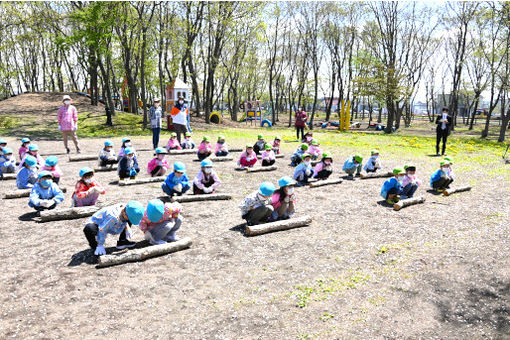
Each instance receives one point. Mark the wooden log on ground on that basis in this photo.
(236, 150)
(142, 180)
(381, 174)
(20, 193)
(105, 168)
(203, 197)
(262, 168)
(67, 213)
(182, 152)
(7, 177)
(407, 202)
(79, 158)
(278, 225)
(326, 182)
(135, 255)
(218, 159)
(448, 192)
(276, 156)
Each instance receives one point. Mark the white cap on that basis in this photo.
(66, 97)
(157, 99)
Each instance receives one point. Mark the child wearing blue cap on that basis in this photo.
(51, 165)
(128, 165)
(161, 221)
(33, 150)
(87, 189)
(7, 162)
(256, 208)
(25, 142)
(158, 165)
(207, 179)
(3, 144)
(45, 194)
(27, 176)
(114, 220)
(284, 199)
(107, 154)
(126, 143)
(176, 183)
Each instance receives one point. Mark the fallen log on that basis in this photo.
(218, 159)
(204, 197)
(142, 180)
(326, 182)
(67, 213)
(278, 225)
(262, 168)
(105, 168)
(7, 177)
(407, 202)
(79, 158)
(20, 193)
(141, 254)
(448, 192)
(376, 174)
(182, 152)
(276, 156)
(236, 150)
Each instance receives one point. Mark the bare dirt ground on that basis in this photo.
(361, 270)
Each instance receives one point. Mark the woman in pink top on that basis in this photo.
(158, 165)
(204, 149)
(68, 122)
(284, 199)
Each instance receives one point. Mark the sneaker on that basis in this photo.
(172, 238)
(396, 199)
(390, 201)
(404, 197)
(78, 151)
(350, 178)
(439, 189)
(68, 150)
(125, 244)
(358, 175)
(157, 242)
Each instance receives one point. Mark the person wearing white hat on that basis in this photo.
(68, 122)
(155, 115)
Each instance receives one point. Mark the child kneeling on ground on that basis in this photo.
(87, 189)
(158, 165)
(204, 149)
(442, 178)
(304, 171)
(33, 150)
(248, 158)
(221, 149)
(51, 166)
(284, 199)
(161, 221)
(259, 145)
(353, 165)
(107, 154)
(128, 165)
(324, 168)
(188, 143)
(113, 220)
(256, 208)
(276, 145)
(7, 162)
(45, 194)
(374, 163)
(410, 183)
(25, 142)
(27, 176)
(315, 150)
(207, 179)
(268, 156)
(295, 159)
(392, 187)
(177, 183)
(126, 143)
(173, 142)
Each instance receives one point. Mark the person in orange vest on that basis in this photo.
(180, 117)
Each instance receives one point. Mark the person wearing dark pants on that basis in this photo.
(256, 208)
(301, 118)
(155, 115)
(180, 118)
(444, 124)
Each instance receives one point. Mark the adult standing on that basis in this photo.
(180, 118)
(68, 122)
(444, 123)
(155, 115)
(301, 119)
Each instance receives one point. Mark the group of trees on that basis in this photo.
(287, 53)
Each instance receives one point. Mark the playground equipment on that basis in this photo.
(215, 118)
(345, 115)
(253, 113)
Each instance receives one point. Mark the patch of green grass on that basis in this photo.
(326, 316)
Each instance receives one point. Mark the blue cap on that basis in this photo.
(155, 210)
(44, 174)
(267, 188)
(6, 151)
(51, 161)
(134, 211)
(206, 163)
(108, 143)
(126, 139)
(33, 147)
(85, 170)
(285, 181)
(161, 150)
(25, 140)
(3, 141)
(179, 166)
(128, 151)
(30, 161)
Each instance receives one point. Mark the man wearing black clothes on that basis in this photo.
(444, 123)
